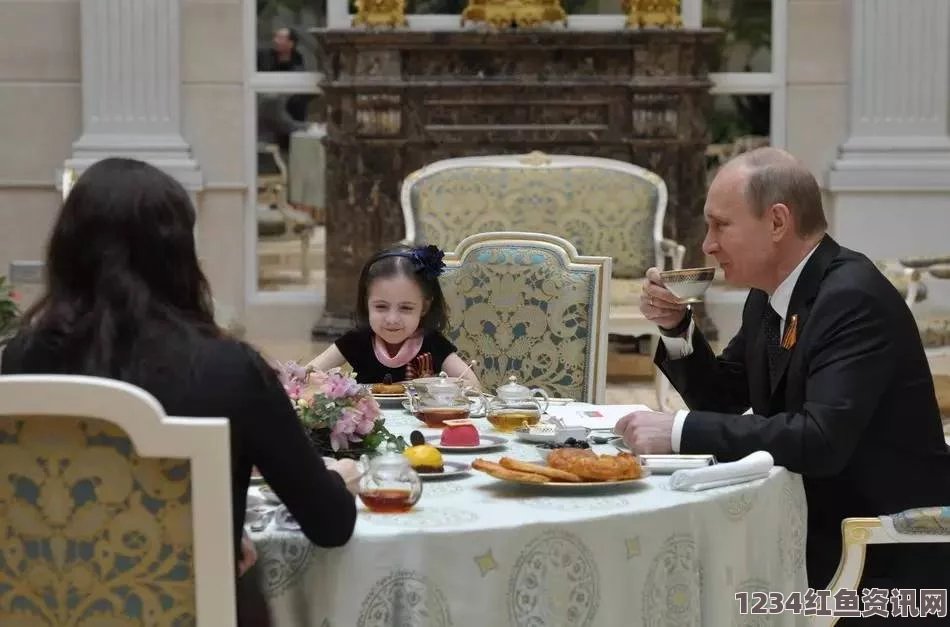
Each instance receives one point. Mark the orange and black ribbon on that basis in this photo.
(791, 333)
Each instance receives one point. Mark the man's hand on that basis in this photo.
(647, 432)
(248, 555)
(658, 304)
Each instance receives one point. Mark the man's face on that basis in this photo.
(282, 42)
(741, 243)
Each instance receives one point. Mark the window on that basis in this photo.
(749, 110)
(286, 215)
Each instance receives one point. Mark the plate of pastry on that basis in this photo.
(461, 436)
(567, 468)
(427, 460)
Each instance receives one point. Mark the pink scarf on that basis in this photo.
(407, 352)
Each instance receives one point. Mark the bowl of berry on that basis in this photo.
(545, 449)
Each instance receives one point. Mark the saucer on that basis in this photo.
(486, 442)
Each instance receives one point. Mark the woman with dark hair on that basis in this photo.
(126, 299)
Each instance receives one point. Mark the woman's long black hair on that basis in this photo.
(122, 275)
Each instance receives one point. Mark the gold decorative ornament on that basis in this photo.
(653, 13)
(535, 158)
(508, 13)
(380, 13)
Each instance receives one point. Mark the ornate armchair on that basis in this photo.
(277, 220)
(602, 206)
(925, 524)
(110, 511)
(527, 304)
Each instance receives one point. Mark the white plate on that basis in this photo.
(585, 486)
(556, 400)
(486, 442)
(450, 469)
(390, 397)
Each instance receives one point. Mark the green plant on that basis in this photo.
(9, 311)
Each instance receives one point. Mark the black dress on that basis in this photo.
(356, 346)
(222, 377)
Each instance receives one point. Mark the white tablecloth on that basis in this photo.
(475, 552)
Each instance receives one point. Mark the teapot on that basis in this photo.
(441, 398)
(389, 485)
(516, 405)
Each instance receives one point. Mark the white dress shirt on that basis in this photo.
(679, 347)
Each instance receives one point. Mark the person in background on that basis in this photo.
(829, 359)
(125, 298)
(400, 315)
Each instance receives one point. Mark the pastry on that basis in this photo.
(459, 433)
(500, 472)
(546, 471)
(423, 457)
(590, 466)
(388, 388)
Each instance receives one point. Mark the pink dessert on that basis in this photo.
(459, 433)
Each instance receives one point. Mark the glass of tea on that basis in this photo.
(442, 399)
(507, 419)
(389, 485)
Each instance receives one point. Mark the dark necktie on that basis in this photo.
(773, 343)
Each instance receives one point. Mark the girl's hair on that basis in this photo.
(423, 265)
(123, 283)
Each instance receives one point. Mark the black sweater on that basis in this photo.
(229, 379)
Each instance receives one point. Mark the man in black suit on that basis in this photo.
(829, 359)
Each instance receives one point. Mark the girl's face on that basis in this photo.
(396, 305)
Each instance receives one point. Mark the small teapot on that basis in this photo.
(513, 393)
(389, 485)
(516, 405)
(441, 399)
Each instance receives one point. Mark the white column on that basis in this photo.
(899, 137)
(131, 87)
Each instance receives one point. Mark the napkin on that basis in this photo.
(592, 416)
(751, 467)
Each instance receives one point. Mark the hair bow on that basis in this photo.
(428, 261)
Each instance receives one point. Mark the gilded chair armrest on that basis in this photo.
(922, 263)
(940, 271)
(674, 250)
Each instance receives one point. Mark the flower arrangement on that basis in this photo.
(9, 311)
(341, 415)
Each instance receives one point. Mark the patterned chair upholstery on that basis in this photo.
(924, 524)
(602, 206)
(110, 512)
(528, 305)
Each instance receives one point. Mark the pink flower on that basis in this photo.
(342, 432)
(368, 407)
(339, 386)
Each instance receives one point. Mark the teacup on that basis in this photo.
(689, 284)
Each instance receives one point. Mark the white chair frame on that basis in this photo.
(856, 535)
(204, 442)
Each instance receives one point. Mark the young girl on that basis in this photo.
(400, 314)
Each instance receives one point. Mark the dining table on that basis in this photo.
(477, 551)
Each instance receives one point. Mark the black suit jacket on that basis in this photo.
(854, 411)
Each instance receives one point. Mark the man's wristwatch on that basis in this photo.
(681, 328)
